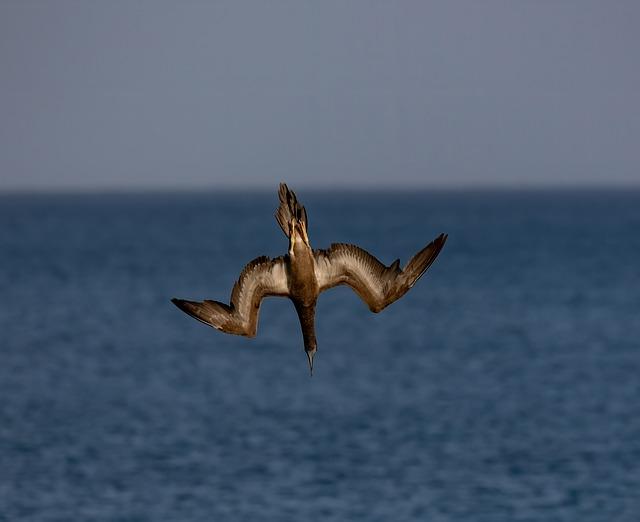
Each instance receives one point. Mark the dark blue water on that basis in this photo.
(505, 386)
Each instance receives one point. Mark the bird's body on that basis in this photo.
(303, 273)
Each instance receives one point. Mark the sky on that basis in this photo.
(159, 95)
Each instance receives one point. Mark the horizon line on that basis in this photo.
(311, 187)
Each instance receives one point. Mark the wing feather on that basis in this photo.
(376, 284)
(260, 278)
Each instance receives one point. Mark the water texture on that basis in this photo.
(504, 387)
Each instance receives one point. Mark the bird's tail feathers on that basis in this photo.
(289, 210)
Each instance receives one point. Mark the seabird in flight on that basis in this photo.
(303, 273)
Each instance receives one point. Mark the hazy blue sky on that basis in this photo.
(118, 94)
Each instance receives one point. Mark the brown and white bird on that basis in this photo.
(303, 273)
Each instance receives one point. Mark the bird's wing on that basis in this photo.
(262, 277)
(376, 284)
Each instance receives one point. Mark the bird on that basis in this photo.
(303, 273)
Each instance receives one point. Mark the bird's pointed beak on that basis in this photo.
(310, 355)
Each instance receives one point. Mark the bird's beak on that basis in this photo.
(310, 355)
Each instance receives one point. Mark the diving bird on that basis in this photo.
(303, 273)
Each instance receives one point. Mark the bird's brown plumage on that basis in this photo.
(376, 284)
(261, 278)
(303, 273)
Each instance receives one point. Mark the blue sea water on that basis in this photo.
(505, 386)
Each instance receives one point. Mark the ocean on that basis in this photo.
(505, 386)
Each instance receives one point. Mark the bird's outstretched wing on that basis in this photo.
(377, 285)
(262, 277)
